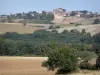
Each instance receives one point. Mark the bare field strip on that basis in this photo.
(23, 66)
(29, 66)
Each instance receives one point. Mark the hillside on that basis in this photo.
(68, 20)
(30, 28)
(89, 20)
(93, 29)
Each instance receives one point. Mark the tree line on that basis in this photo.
(32, 17)
(38, 43)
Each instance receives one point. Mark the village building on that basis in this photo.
(60, 12)
(3, 16)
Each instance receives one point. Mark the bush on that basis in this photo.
(87, 65)
(77, 24)
(53, 27)
(96, 37)
(10, 20)
(94, 67)
(96, 21)
(86, 55)
(57, 26)
(24, 23)
(1, 38)
(72, 23)
(98, 62)
(83, 31)
(3, 20)
(61, 59)
(75, 31)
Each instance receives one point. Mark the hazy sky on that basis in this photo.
(14, 6)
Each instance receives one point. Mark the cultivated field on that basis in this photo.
(19, 28)
(30, 66)
(23, 66)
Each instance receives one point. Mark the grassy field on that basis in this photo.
(19, 28)
(30, 66)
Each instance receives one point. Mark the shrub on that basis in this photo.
(98, 62)
(53, 27)
(83, 31)
(96, 37)
(72, 23)
(3, 20)
(57, 26)
(61, 59)
(24, 23)
(1, 38)
(94, 67)
(86, 55)
(77, 24)
(85, 65)
(75, 31)
(96, 21)
(10, 20)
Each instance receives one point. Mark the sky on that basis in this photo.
(18, 6)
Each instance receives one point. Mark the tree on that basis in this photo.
(10, 20)
(50, 17)
(83, 51)
(98, 62)
(86, 55)
(65, 31)
(44, 12)
(73, 13)
(96, 38)
(96, 21)
(83, 31)
(53, 27)
(62, 59)
(84, 11)
(75, 31)
(24, 23)
(96, 48)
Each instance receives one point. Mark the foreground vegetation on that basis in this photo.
(42, 42)
(66, 51)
